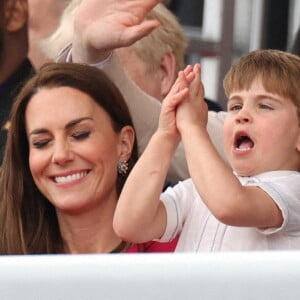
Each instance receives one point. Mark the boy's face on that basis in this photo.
(261, 132)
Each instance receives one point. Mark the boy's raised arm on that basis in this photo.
(140, 216)
(219, 188)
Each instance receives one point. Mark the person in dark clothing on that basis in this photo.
(8, 91)
(14, 64)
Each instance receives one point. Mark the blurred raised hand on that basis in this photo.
(103, 25)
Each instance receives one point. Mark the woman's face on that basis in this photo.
(73, 149)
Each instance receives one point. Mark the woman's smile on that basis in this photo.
(70, 178)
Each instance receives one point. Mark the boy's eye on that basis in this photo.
(40, 144)
(235, 107)
(81, 135)
(265, 106)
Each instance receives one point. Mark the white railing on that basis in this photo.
(242, 276)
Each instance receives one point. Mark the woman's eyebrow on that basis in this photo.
(38, 131)
(68, 126)
(76, 121)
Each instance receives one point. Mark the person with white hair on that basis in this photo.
(126, 23)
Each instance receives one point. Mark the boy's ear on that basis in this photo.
(126, 142)
(16, 15)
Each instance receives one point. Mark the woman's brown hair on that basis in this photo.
(28, 222)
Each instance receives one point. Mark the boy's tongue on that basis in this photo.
(246, 144)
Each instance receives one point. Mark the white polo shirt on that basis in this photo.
(199, 230)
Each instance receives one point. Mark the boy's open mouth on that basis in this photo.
(243, 142)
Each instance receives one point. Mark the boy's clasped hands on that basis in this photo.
(184, 106)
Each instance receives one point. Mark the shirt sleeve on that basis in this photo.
(285, 191)
(178, 201)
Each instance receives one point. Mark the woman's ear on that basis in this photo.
(16, 15)
(126, 142)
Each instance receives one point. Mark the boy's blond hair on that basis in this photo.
(279, 71)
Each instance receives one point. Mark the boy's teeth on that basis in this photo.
(243, 149)
(245, 145)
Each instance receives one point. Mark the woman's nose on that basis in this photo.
(62, 153)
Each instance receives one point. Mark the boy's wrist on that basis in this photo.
(166, 141)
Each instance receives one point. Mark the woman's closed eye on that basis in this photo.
(43, 142)
(81, 135)
(40, 143)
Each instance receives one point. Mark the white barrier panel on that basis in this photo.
(242, 276)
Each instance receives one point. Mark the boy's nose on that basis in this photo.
(244, 116)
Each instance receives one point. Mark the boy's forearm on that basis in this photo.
(220, 189)
(138, 217)
(214, 180)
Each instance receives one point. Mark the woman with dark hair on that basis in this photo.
(70, 147)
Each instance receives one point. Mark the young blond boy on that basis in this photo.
(255, 204)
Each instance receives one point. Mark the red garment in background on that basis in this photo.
(153, 247)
